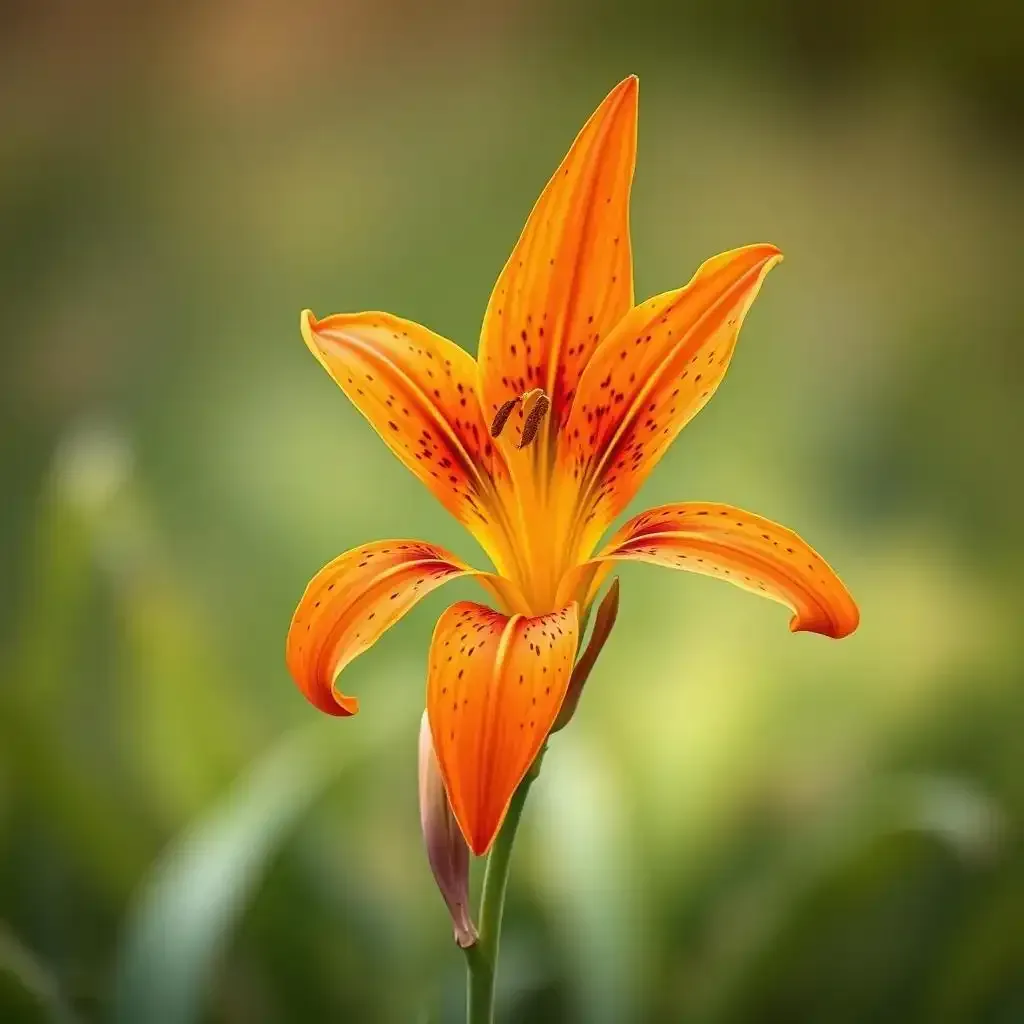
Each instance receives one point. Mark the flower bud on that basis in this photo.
(446, 848)
(607, 612)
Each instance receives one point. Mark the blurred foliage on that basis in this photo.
(740, 825)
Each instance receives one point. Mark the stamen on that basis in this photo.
(502, 415)
(535, 407)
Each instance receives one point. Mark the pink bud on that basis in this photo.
(446, 849)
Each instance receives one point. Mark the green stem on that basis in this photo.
(482, 956)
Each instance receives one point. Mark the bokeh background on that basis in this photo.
(741, 825)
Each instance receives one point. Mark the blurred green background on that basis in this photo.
(740, 825)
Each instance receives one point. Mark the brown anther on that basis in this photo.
(502, 415)
(535, 407)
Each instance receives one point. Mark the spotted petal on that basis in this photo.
(744, 549)
(352, 601)
(418, 391)
(570, 277)
(649, 378)
(494, 689)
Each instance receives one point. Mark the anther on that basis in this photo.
(502, 415)
(535, 407)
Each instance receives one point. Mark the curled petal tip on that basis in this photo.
(853, 624)
(834, 629)
(749, 551)
(350, 603)
(757, 254)
(307, 328)
(347, 706)
(770, 252)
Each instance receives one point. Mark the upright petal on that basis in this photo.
(741, 548)
(418, 390)
(351, 602)
(650, 377)
(570, 277)
(494, 689)
(447, 851)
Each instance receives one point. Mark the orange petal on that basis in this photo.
(650, 377)
(351, 602)
(570, 278)
(742, 548)
(494, 689)
(418, 390)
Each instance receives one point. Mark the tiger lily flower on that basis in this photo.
(536, 447)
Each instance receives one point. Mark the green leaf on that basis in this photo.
(27, 990)
(197, 892)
